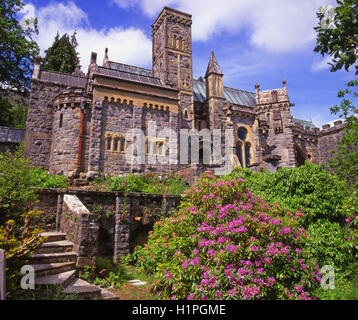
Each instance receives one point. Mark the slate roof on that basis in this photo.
(235, 96)
(63, 78)
(11, 135)
(126, 72)
(304, 123)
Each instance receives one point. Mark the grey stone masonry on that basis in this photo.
(2, 275)
(81, 227)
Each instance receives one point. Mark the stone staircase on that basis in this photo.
(55, 265)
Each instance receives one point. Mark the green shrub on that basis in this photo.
(134, 184)
(15, 185)
(42, 179)
(225, 243)
(329, 244)
(309, 188)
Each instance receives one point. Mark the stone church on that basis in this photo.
(77, 123)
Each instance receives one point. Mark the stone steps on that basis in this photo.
(41, 258)
(55, 247)
(60, 279)
(55, 266)
(53, 236)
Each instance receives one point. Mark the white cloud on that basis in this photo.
(275, 25)
(129, 45)
(322, 64)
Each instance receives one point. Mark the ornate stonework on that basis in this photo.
(77, 123)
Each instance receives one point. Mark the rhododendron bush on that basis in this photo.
(225, 243)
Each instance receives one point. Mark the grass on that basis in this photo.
(344, 290)
(115, 278)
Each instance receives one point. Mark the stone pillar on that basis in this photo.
(121, 229)
(174, 125)
(95, 137)
(2, 275)
(59, 211)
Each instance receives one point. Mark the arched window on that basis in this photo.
(274, 96)
(177, 38)
(243, 147)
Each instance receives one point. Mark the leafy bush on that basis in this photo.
(309, 188)
(226, 243)
(134, 184)
(329, 244)
(42, 179)
(15, 185)
(147, 183)
(19, 244)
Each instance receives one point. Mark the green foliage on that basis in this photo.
(13, 111)
(42, 179)
(19, 244)
(223, 242)
(134, 184)
(324, 201)
(147, 183)
(17, 47)
(345, 161)
(329, 244)
(337, 34)
(15, 185)
(62, 55)
(309, 188)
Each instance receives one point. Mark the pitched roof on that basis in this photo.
(125, 72)
(63, 78)
(235, 96)
(133, 73)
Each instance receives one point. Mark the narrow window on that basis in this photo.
(268, 117)
(115, 144)
(109, 143)
(160, 148)
(239, 152)
(247, 154)
(122, 144)
(61, 120)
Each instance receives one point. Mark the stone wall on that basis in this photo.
(116, 235)
(328, 139)
(81, 227)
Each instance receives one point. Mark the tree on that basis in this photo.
(62, 55)
(337, 34)
(345, 161)
(17, 47)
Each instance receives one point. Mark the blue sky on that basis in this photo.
(253, 40)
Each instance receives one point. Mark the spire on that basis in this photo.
(213, 66)
(105, 59)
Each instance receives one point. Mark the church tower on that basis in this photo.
(215, 93)
(172, 57)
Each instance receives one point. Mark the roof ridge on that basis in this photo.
(130, 72)
(66, 74)
(129, 65)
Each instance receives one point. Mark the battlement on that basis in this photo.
(271, 96)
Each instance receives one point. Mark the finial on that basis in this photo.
(284, 83)
(106, 60)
